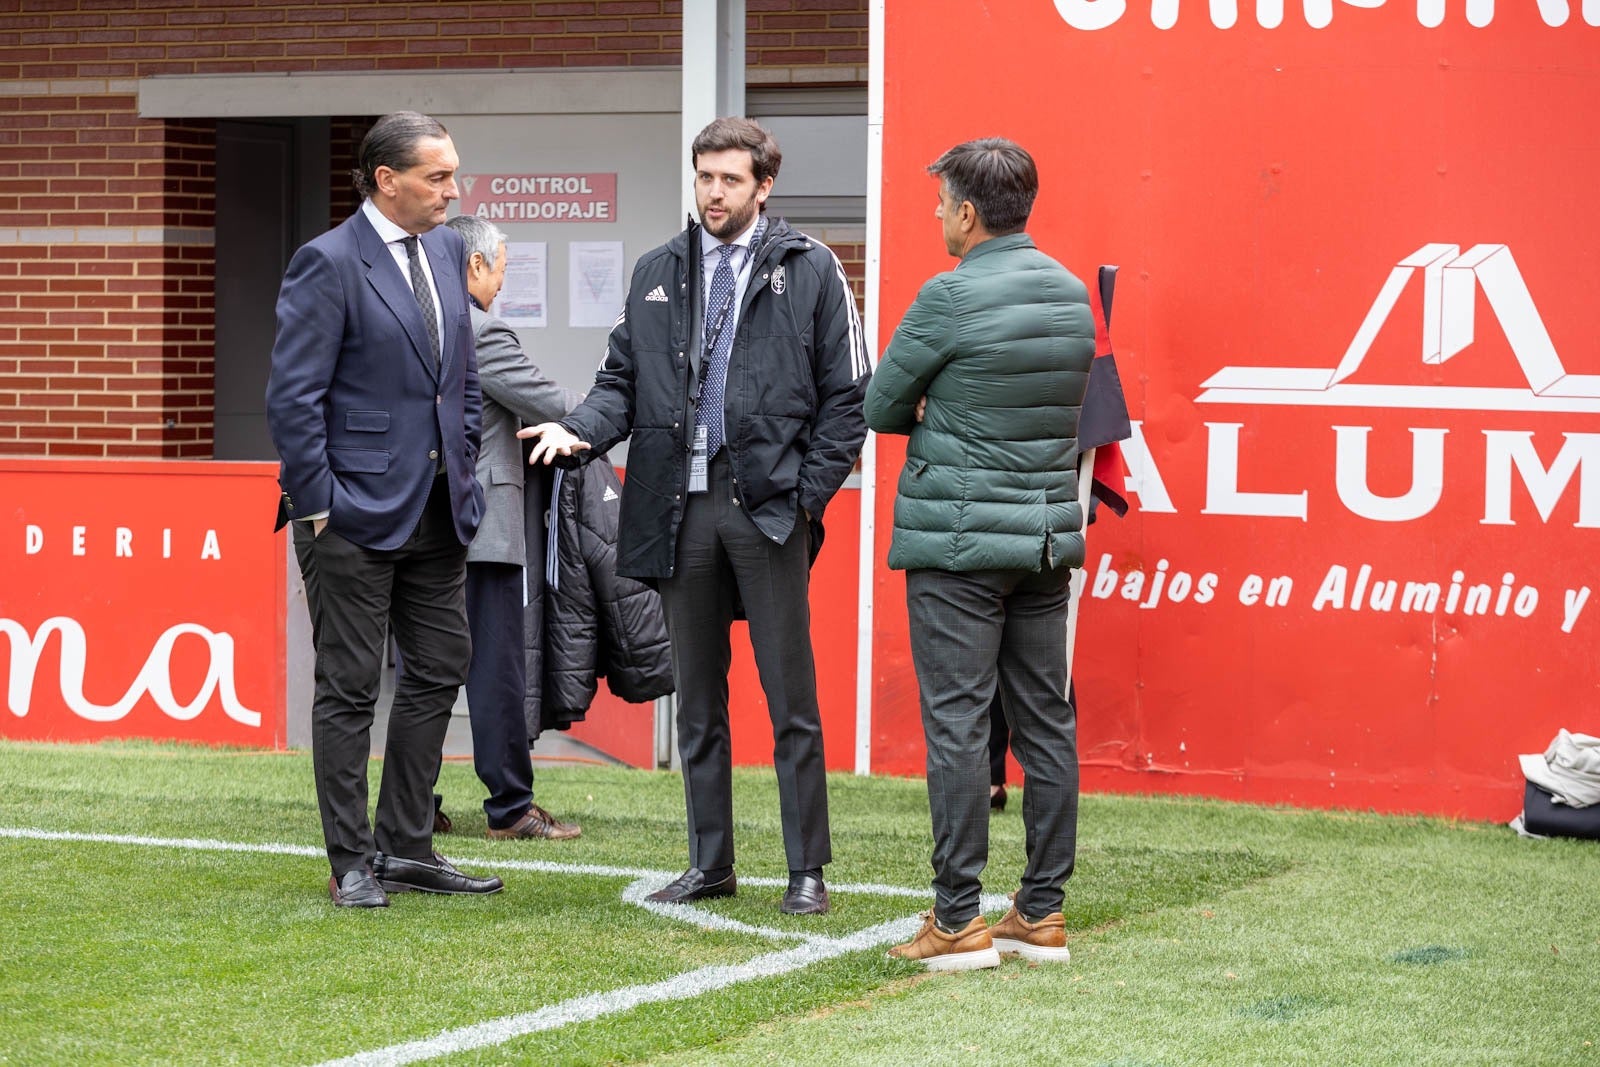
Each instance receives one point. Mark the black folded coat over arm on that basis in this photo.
(596, 623)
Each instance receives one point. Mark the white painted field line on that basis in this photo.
(680, 987)
(990, 901)
(636, 893)
(199, 844)
(549, 866)
(813, 948)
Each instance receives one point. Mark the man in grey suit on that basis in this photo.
(514, 392)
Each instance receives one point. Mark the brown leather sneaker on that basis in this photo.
(965, 950)
(537, 823)
(1043, 942)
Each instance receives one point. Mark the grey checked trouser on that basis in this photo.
(972, 631)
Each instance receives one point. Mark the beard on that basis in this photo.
(734, 222)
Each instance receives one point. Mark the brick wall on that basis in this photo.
(105, 277)
(805, 41)
(851, 249)
(106, 219)
(812, 40)
(344, 141)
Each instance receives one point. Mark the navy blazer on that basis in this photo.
(360, 416)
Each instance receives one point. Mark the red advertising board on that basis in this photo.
(1355, 322)
(141, 599)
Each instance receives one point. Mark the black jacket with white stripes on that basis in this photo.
(797, 375)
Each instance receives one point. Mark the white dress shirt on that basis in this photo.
(394, 237)
(710, 257)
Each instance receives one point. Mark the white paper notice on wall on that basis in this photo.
(594, 283)
(524, 299)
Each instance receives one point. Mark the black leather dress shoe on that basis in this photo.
(806, 895)
(692, 885)
(400, 875)
(357, 889)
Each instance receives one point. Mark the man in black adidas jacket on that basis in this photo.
(739, 368)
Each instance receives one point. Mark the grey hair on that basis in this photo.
(481, 237)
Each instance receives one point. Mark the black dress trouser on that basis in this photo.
(720, 551)
(495, 697)
(356, 596)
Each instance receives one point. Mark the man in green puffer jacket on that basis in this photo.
(987, 373)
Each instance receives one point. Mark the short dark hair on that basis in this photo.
(392, 142)
(997, 176)
(725, 133)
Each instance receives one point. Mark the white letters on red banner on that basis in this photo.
(1354, 323)
(142, 599)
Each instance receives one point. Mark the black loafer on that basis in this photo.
(357, 889)
(806, 895)
(692, 885)
(400, 875)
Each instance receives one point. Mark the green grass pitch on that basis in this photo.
(163, 904)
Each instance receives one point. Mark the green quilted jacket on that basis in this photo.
(1001, 347)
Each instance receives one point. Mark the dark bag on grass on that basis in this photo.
(1542, 815)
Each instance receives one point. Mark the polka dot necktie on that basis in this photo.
(719, 313)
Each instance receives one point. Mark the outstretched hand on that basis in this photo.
(554, 440)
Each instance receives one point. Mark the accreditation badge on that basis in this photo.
(697, 461)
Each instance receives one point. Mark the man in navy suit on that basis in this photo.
(374, 406)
